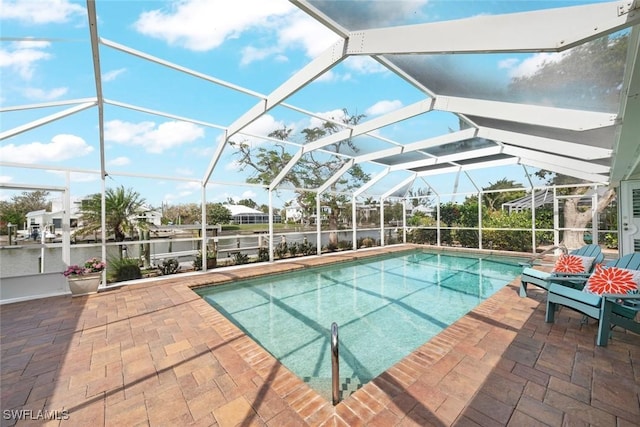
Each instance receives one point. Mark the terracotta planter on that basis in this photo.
(84, 285)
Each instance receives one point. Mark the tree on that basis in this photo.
(494, 201)
(121, 208)
(311, 170)
(218, 214)
(189, 213)
(248, 203)
(16, 210)
(575, 216)
(588, 76)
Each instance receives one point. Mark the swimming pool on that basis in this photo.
(385, 307)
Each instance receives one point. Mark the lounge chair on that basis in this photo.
(610, 309)
(543, 279)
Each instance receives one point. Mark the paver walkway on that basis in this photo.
(156, 354)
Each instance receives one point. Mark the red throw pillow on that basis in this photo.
(613, 280)
(573, 264)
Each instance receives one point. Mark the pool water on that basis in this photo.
(385, 308)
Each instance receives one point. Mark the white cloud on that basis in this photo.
(5, 179)
(83, 177)
(202, 25)
(62, 147)
(251, 54)
(332, 76)
(364, 65)
(22, 57)
(37, 12)
(184, 172)
(120, 161)
(110, 76)
(264, 125)
(302, 30)
(42, 95)
(334, 115)
(383, 107)
(233, 165)
(531, 65)
(154, 139)
(249, 194)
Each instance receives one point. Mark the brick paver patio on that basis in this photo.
(156, 354)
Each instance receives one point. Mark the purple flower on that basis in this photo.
(92, 265)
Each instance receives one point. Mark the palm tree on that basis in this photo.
(121, 209)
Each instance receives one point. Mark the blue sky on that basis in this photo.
(256, 45)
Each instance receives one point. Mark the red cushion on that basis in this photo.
(613, 280)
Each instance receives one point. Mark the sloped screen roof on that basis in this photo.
(167, 90)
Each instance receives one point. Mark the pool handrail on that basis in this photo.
(335, 365)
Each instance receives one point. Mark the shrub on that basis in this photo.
(423, 235)
(211, 260)
(240, 258)
(307, 248)
(263, 254)
(506, 239)
(366, 242)
(344, 244)
(281, 250)
(611, 240)
(332, 247)
(123, 269)
(169, 266)
(294, 249)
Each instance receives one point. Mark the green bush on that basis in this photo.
(212, 261)
(123, 269)
(169, 266)
(422, 235)
(294, 249)
(240, 258)
(281, 250)
(307, 248)
(263, 254)
(611, 240)
(508, 240)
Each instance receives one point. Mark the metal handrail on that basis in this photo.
(335, 365)
(563, 248)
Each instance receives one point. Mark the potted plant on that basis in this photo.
(85, 279)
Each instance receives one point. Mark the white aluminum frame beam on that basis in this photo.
(563, 162)
(412, 110)
(336, 176)
(440, 171)
(581, 174)
(48, 119)
(548, 30)
(408, 181)
(557, 146)
(46, 104)
(371, 182)
(419, 145)
(325, 61)
(97, 72)
(561, 118)
(451, 158)
(404, 113)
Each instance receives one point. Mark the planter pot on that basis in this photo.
(84, 285)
